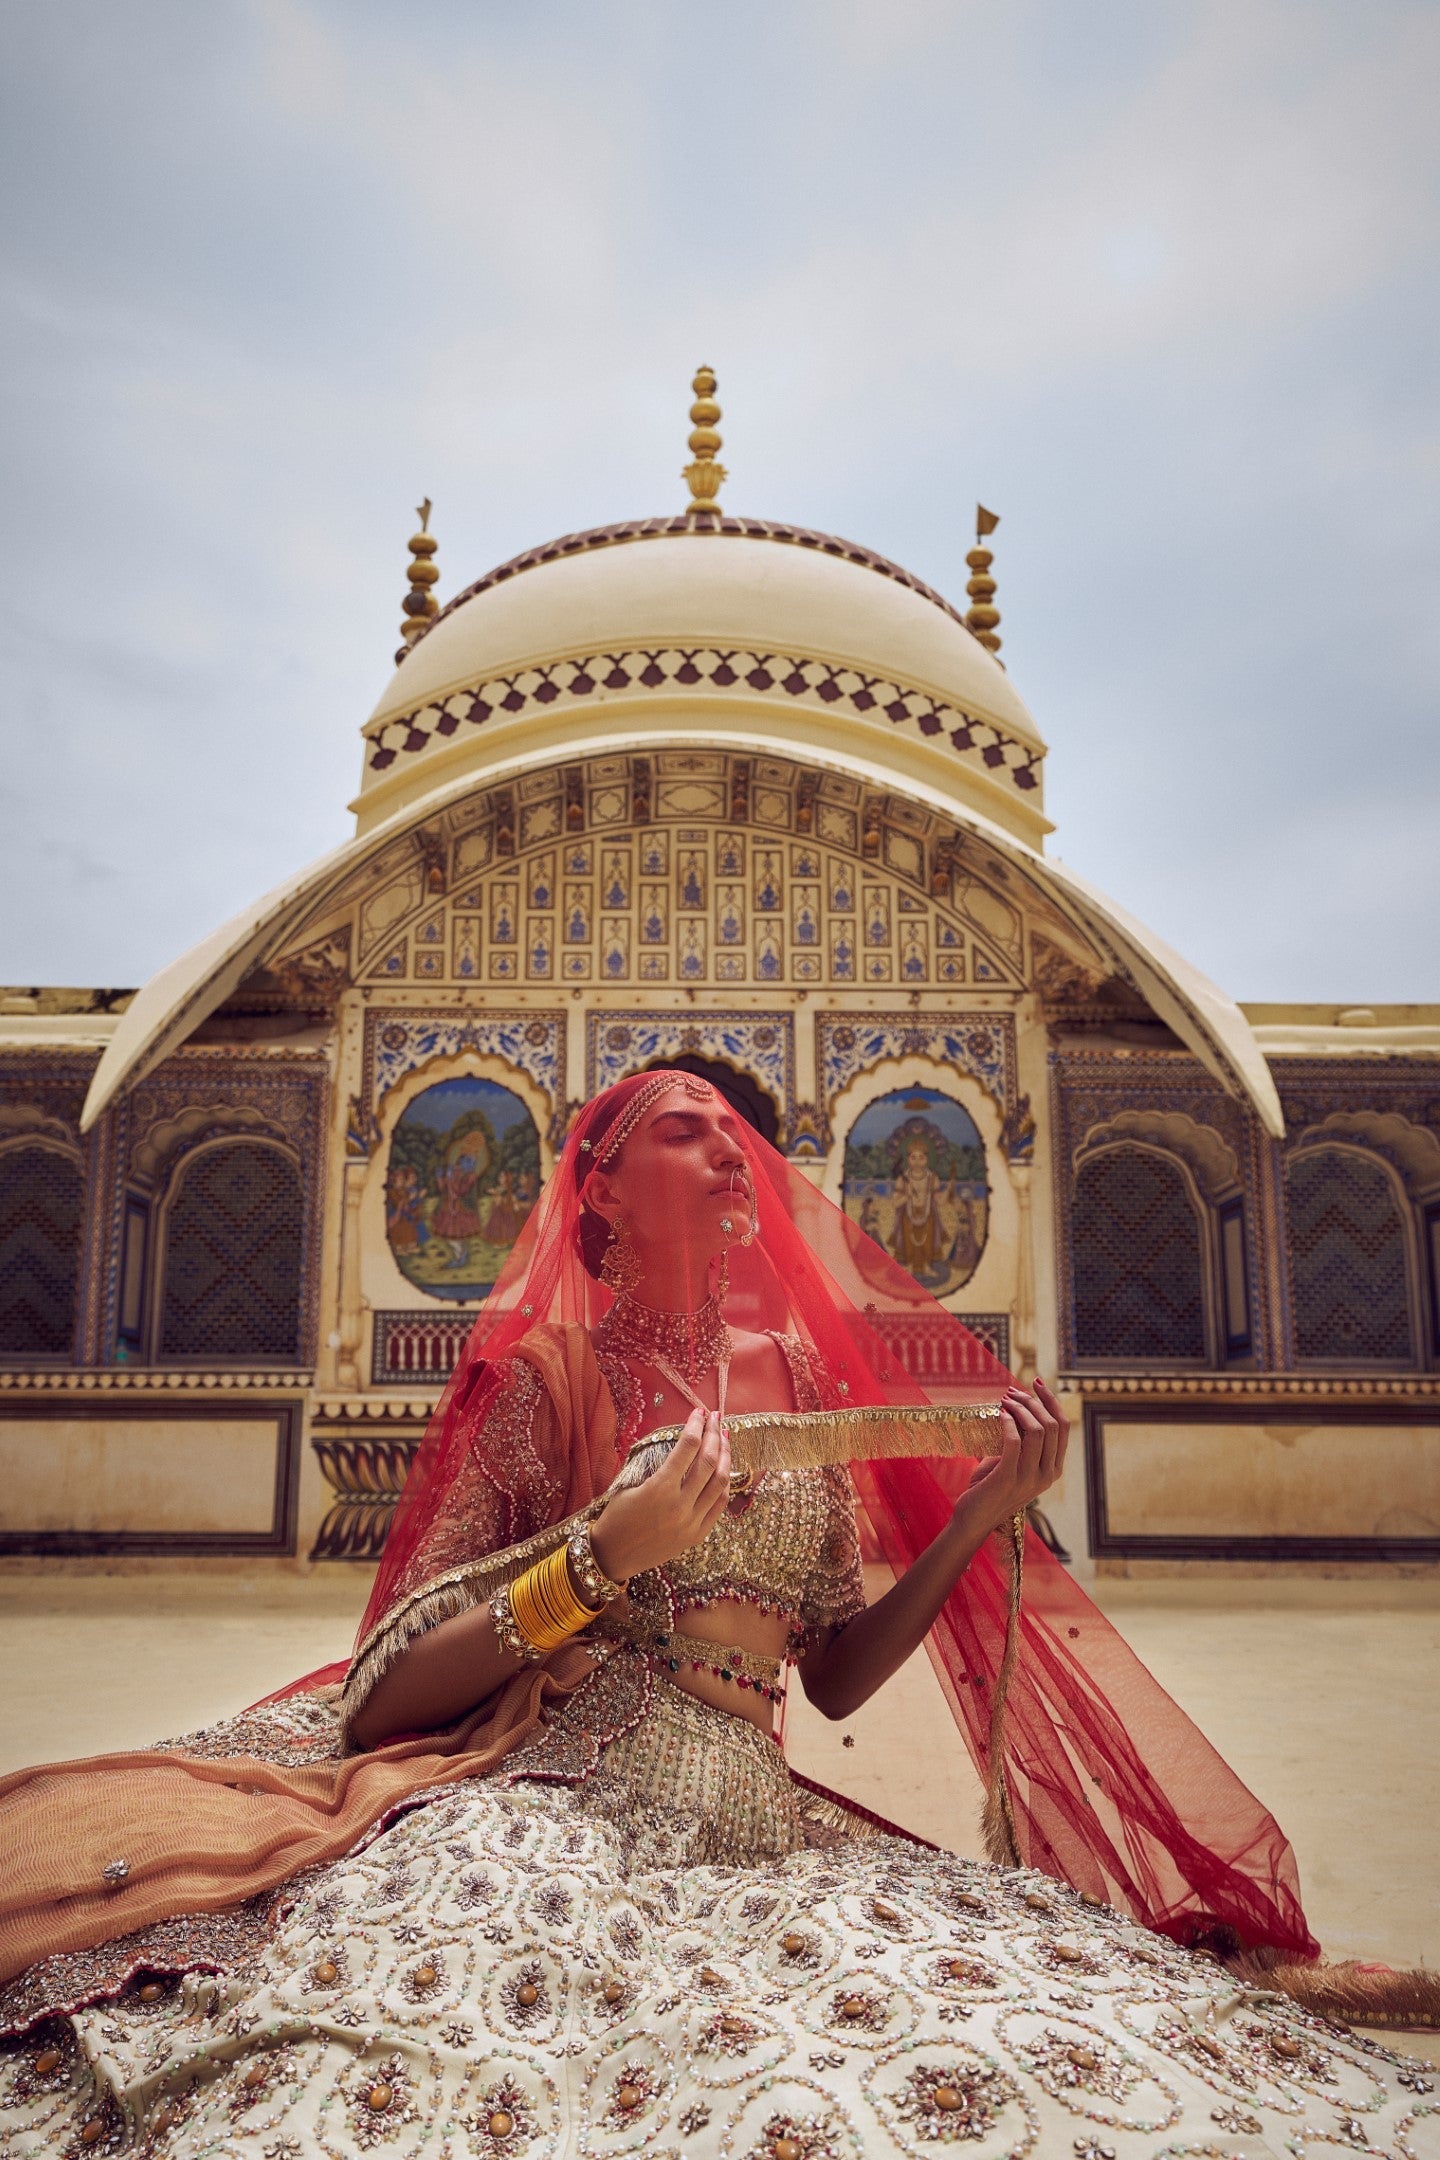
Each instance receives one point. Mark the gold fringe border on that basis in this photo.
(1395, 1999)
(458, 1590)
(759, 1441)
(762, 1440)
(998, 1821)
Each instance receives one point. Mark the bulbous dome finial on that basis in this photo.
(705, 477)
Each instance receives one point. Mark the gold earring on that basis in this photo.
(620, 1268)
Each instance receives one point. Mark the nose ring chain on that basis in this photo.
(727, 1222)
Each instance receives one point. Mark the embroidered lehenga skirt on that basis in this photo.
(674, 1957)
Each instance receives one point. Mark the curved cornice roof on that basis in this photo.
(174, 1002)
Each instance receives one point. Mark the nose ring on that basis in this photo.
(749, 1237)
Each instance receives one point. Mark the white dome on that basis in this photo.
(740, 614)
(766, 586)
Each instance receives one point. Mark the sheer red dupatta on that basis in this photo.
(1111, 1788)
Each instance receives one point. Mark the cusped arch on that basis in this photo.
(1412, 1151)
(163, 1148)
(231, 1254)
(1138, 1256)
(1212, 1160)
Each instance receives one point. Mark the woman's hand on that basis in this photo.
(1032, 1457)
(674, 1508)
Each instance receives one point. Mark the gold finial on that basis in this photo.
(983, 619)
(706, 478)
(420, 604)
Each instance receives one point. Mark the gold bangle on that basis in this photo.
(544, 1604)
(508, 1632)
(590, 1578)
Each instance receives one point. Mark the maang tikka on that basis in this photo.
(620, 1268)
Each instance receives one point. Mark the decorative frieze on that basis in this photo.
(398, 1042)
(978, 1043)
(759, 1043)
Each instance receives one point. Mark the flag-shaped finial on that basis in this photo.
(420, 604)
(983, 619)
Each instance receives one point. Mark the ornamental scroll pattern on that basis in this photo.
(398, 1042)
(759, 1043)
(980, 1044)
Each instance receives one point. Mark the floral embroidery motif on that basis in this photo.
(502, 2123)
(379, 2100)
(947, 2100)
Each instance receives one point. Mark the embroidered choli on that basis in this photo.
(788, 1547)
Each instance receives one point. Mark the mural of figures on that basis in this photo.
(463, 1175)
(915, 1182)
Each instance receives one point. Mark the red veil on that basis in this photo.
(1111, 1788)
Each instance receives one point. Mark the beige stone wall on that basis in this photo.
(132, 1478)
(1243, 1479)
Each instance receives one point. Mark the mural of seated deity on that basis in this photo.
(463, 1175)
(915, 1181)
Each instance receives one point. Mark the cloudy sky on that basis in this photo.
(1156, 279)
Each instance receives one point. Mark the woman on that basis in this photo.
(559, 1893)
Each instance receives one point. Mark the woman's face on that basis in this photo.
(680, 1176)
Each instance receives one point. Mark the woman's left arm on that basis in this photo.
(847, 1669)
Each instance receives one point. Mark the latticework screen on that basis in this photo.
(231, 1283)
(1136, 1257)
(39, 1251)
(1347, 1258)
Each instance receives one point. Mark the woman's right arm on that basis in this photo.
(435, 1680)
(449, 1670)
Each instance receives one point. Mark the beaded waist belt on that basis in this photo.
(749, 1669)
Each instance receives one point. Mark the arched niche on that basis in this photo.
(1140, 1258)
(992, 1285)
(1350, 1250)
(385, 1283)
(230, 1251)
(42, 1189)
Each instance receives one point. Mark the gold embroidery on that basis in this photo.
(791, 1549)
(762, 1440)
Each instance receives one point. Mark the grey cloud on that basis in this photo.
(1157, 280)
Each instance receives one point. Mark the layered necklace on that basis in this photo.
(675, 1343)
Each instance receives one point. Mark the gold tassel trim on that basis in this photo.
(998, 1821)
(458, 1590)
(762, 1440)
(1398, 1999)
(759, 1441)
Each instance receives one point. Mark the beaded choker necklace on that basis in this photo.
(695, 1341)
